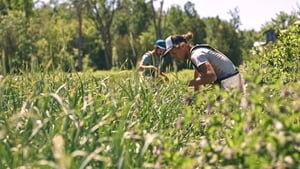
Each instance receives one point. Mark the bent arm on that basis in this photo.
(146, 63)
(147, 67)
(207, 75)
(196, 76)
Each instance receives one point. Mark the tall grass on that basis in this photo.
(119, 120)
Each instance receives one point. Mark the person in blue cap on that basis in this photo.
(150, 63)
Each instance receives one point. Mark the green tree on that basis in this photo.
(79, 6)
(3, 8)
(246, 41)
(140, 17)
(157, 17)
(133, 18)
(174, 20)
(102, 13)
(17, 14)
(281, 21)
(284, 20)
(277, 60)
(223, 36)
(235, 20)
(54, 34)
(10, 24)
(180, 21)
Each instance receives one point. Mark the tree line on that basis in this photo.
(80, 35)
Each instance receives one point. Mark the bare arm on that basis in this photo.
(196, 75)
(207, 76)
(147, 67)
(153, 68)
(164, 75)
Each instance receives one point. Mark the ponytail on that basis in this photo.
(188, 36)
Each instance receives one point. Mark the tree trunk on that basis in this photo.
(157, 18)
(5, 63)
(108, 48)
(79, 66)
(102, 13)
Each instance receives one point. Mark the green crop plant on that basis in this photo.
(117, 119)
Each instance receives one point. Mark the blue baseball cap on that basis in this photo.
(160, 44)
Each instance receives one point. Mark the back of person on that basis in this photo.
(222, 65)
(227, 74)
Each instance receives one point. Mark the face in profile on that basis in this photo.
(178, 53)
(159, 51)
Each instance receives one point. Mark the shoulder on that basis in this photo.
(199, 46)
(147, 54)
(199, 55)
(197, 52)
(146, 59)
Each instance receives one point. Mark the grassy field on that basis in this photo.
(116, 119)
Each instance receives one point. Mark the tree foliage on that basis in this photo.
(279, 57)
(100, 34)
(102, 13)
(223, 36)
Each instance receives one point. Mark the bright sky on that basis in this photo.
(253, 13)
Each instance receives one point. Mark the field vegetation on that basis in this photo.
(116, 119)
